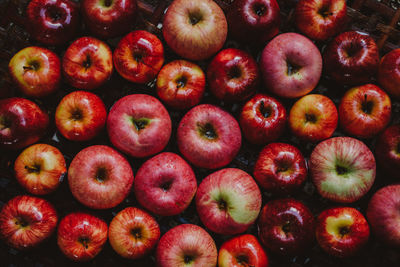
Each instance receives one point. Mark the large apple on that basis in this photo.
(389, 74)
(387, 150)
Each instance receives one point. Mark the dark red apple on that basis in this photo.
(387, 150)
(389, 73)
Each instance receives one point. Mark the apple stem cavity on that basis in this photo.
(259, 9)
(188, 259)
(208, 131)
(234, 72)
(366, 105)
(324, 11)
(33, 65)
(181, 82)
(195, 18)
(344, 230)
(108, 3)
(286, 227)
(33, 169)
(222, 205)
(137, 56)
(141, 123)
(166, 186)
(292, 68)
(87, 62)
(84, 241)
(76, 115)
(311, 118)
(101, 174)
(21, 222)
(340, 170)
(136, 233)
(242, 260)
(265, 110)
(5, 123)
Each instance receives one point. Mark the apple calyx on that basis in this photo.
(101, 175)
(137, 233)
(207, 131)
(222, 205)
(341, 170)
(84, 241)
(311, 118)
(21, 222)
(140, 123)
(264, 110)
(259, 9)
(340, 226)
(367, 106)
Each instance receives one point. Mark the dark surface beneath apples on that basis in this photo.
(48, 254)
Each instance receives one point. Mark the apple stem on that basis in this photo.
(366, 105)
(34, 169)
(4, 123)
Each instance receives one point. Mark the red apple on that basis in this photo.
(321, 19)
(352, 58)
(36, 71)
(388, 150)
(181, 84)
(165, 184)
(364, 111)
(244, 250)
(209, 137)
(263, 119)
(26, 221)
(109, 18)
(342, 169)
(80, 116)
(186, 245)
(291, 65)
(139, 125)
(81, 236)
(87, 63)
(22, 123)
(389, 74)
(195, 30)
(280, 168)
(52, 22)
(40, 169)
(139, 56)
(99, 177)
(228, 201)
(286, 226)
(133, 233)
(313, 118)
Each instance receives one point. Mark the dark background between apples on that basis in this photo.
(13, 38)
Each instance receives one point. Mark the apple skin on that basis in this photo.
(165, 184)
(40, 169)
(321, 19)
(209, 137)
(53, 22)
(139, 56)
(26, 221)
(389, 74)
(36, 71)
(22, 123)
(342, 169)
(387, 150)
(244, 250)
(253, 21)
(280, 168)
(313, 118)
(228, 201)
(342, 231)
(99, 177)
(107, 21)
(352, 58)
(133, 233)
(186, 244)
(195, 30)
(80, 116)
(81, 236)
(384, 216)
(291, 65)
(139, 125)
(181, 84)
(87, 63)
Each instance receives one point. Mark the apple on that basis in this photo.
(286, 226)
(321, 19)
(99, 177)
(36, 71)
(81, 236)
(262, 119)
(40, 169)
(352, 58)
(388, 73)
(313, 118)
(139, 56)
(165, 184)
(243, 250)
(291, 65)
(139, 125)
(22, 123)
(387, 150)
(133, 233)
(209, 137)
(87, 63)
(341, 231)
(52, 22)
(384, 216)
(26, 221)
(181, 84)
(195, 30)
(364, 111)
(80, 116)
(253, 21)
(342, 169)
(228, 201)
(186, 245)
(108, 18)
(280, 168)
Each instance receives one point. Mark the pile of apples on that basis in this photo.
(229, 200)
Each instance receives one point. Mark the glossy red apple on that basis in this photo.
(195, 30)
(389, 74)
(364, 111)
(133, 233)
(99, 177)
(387, 150)
(139, 125)
(80, 116)
(26, 221)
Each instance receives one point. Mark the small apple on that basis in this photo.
(387, 150)
(389, 74)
